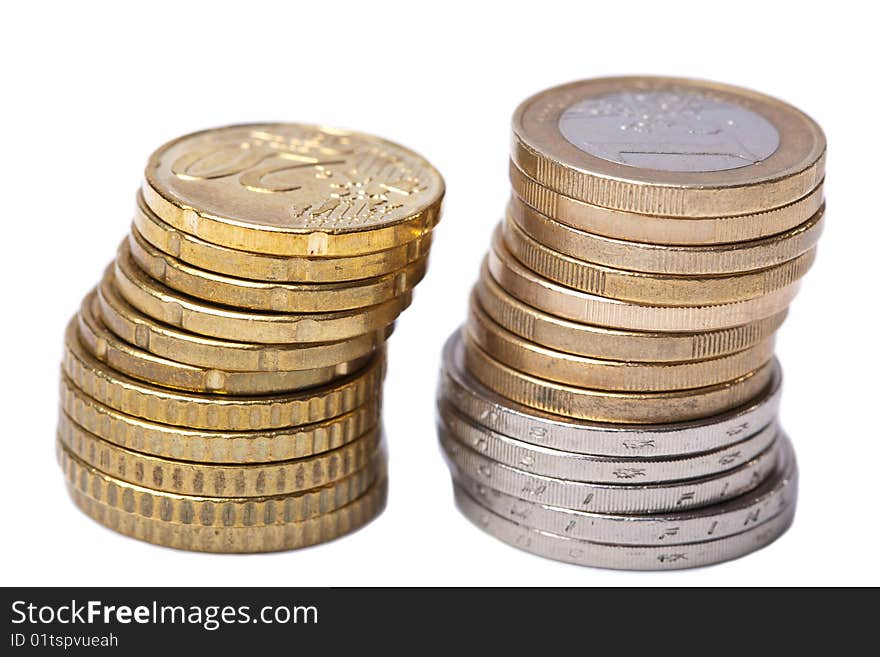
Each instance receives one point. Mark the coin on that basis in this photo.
(726, 518)
(665, 230)
(225, 525)
(578, 306)
(668, 258)
(165, 341)
(639, 287)
(534, 359)
(612, 406)
(615, 344)
(139, 364)
(266, 296)
(599, 469)
(668, 146)
(458, 387)
(604, 555)
(203, 411)
(262, 267)
(219, 480)
(293, 190)
(609, 498)
(158, 301)
(215, 445)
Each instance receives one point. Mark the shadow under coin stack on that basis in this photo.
(612, 399)
(221, 387)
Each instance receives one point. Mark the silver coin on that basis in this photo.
(599, 469)
(508, 418)
(674, 130)
(724, 519)
(605, 555)
(609, 498)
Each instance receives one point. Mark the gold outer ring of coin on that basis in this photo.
(639, 287)
(214, 446)
(216, 480)
(164, 304)
(140, 513)
(662, 230)
(167, 406)
(261, 267)
(598, 342)
(579, 371)
(138, 364)
(605, 406)
(293, 190)
(579, 306)
(667, 259)
(164, 341)
(541, 151)
(269, 297)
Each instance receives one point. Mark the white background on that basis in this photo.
(91, 89)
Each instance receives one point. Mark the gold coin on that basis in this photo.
(615, 344)
(605, 406)
(667, 258)
(639, 287)
(579, 306)
(136, 363)
(158, 301)
(293, 190)
(668, 146)
(165, 341)
(225, 525)
(219, 480)
(262, 267)
(213, 446)
(656, 229)
(269, 297)
(204, 411)
(584, 372)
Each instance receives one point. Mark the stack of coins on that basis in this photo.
(612, 399)
(221, 387)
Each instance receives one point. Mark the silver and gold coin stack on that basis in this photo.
(221, 386)
(612, 398)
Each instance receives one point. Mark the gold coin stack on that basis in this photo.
(616, 370)
(221, 387)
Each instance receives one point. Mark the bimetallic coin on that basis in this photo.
(580, 371)
(263, 267)
(578, 306)
(604, 555)
(690, 259)
(665, 230)
(486, 408)
(612, 406)
(599, 469)
(165, 341)
(609, 498)
(219, 480)
(659, 289)
(129, 359)
(616, 344)
(726, 518)
(216, 445)
(164, 304)
(225, 524)
(668, 146)
(293, 190)
(202, 411)
(269, 297)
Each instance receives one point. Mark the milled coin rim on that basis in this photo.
(670, 259)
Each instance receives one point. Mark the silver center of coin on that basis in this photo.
(669, 131)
